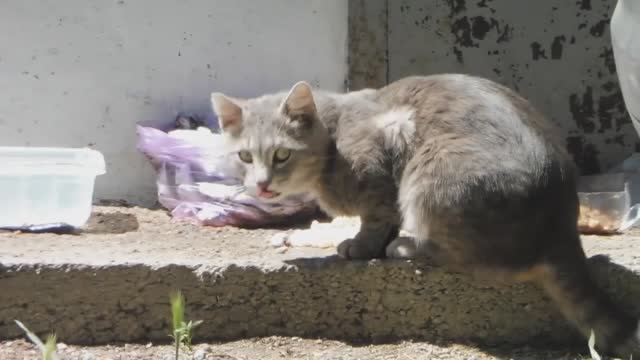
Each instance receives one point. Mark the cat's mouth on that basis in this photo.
(267, 194)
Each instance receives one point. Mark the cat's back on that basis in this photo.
(478, 111)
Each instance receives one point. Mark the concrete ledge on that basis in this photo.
(111, 283)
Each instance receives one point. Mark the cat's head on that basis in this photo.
(278, 139)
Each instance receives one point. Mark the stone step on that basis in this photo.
(111, 282)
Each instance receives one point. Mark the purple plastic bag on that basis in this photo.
(198, 182)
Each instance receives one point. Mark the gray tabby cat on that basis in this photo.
(470, 168)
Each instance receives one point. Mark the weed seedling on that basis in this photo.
(182, 332)
(47, 349)
(592, 348)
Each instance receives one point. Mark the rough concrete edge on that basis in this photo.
(377, 301)
(368, 49)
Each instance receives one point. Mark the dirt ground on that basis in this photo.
(280, 348)
(118, 234)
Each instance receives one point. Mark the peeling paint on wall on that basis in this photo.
(556, 53)
(556, 47)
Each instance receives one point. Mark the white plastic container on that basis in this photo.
(43, 186)
(625, 33)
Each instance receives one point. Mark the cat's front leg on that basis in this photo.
(402, 247)
(371, 241)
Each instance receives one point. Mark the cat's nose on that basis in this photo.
(263, 185)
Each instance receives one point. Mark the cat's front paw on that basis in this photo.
(402, 248)
(358, 249)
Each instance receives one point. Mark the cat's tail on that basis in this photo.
(569, 283)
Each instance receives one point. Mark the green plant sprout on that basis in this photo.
(592, 350)
(48, 349)
(182, 332)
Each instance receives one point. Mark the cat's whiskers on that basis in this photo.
(239, 190)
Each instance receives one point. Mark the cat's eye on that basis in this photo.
(281, 155)
(245, 156)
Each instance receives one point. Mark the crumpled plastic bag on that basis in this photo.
(198, 181)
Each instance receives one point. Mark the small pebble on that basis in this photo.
(86, 356)
(200, 354)
(279, 239)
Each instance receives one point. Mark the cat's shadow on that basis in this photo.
(621, 283)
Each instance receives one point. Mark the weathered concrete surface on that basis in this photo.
(556, 53)
(111, 283)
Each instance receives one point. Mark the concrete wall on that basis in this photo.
(557, 53)
(83, 72)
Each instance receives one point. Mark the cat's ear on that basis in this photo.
(229, 113)
(299, 105)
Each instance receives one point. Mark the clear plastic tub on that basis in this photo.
(605, 205)
(46, 186)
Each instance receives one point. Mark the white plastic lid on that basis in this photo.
(15, 160)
